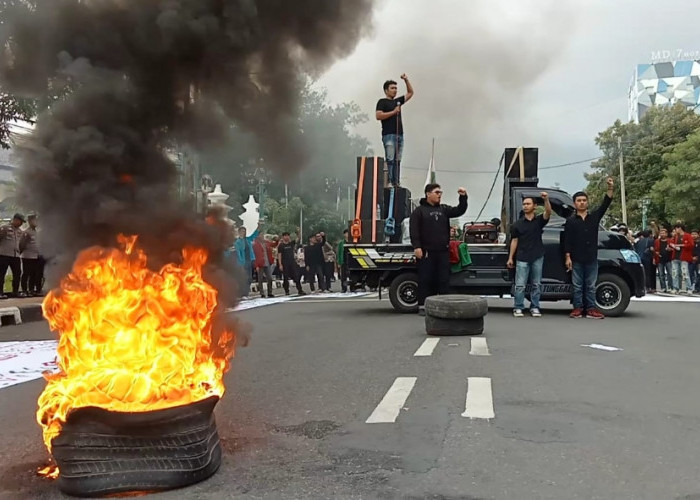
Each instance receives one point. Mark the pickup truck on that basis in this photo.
(393, 266)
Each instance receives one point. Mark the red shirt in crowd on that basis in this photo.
(688, 247)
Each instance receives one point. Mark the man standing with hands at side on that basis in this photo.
(526, 240)
(389, 113)
(581, 249)
(430, 238)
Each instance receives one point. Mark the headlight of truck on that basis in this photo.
(630, 256)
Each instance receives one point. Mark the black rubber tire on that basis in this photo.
(101, 453)
(442, 327)
(403, 288)
(456, 306)
(613, 295)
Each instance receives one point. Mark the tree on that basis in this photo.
(13, 109)
(679, 190)
(644, 146)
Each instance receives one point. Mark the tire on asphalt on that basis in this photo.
(456, 306)
(403, 293)
(612, 295)
(102, 453)
(443, 327)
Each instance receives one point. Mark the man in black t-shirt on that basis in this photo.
(526, 241)
(389, 113)
(286, 260)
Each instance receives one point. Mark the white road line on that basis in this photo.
(479, 398)
(479, 347)
(427, 347)
(389, 408)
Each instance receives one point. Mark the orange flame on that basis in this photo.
(132, 339)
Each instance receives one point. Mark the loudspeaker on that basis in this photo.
(530, 161)
(367, 200)
(367, 232)
(402, 204)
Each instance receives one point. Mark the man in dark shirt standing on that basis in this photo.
(313, 256)
(286, 260)
(526, 240)
(389, 113)
(581, 248)
(430, 237)
(662, 259)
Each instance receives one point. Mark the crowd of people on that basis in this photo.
(20, 252)
(270, 257)
(670, 256)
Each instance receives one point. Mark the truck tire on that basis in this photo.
(456, 306)
(403, 293)
(612, 295)
(443, 327)
(101, 453)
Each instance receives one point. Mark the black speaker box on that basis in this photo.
(367, 207)
(402, 204)
(530, 161)
(367, 231)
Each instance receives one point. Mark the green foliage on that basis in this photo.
(679, 190)
(281, 217)
(13, 109)
(645, 147)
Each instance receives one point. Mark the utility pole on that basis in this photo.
(645, 211)
(623, 196)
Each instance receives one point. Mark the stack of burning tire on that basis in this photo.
(447, 315)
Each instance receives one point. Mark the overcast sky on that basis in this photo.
(495, 73)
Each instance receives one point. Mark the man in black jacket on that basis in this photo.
(581, 249)
(430, 237)
(313, 256)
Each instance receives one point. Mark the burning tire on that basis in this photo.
(103, 453)
(442, 327)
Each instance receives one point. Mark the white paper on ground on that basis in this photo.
(602, 347)
(25, 361)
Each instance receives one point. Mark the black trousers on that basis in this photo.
(32, 271)
(433, 275)
(328, 272)
(344, 277)
(315, 272)
(15, 264)
(650, 275)
(290, 272)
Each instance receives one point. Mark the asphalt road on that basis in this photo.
(571, 422)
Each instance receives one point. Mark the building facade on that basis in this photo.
(664, 84)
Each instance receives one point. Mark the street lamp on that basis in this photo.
(645, 207)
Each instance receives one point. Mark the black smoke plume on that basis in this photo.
(143, 75)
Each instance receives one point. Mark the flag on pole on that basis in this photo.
(430, 178)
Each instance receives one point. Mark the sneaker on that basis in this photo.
(270, 296)
(301, 293)
(535, 313)
(518, 313)
(286, 292)
(576, 313)
(594, 314)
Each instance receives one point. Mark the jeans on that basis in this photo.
(695, 276)
(247, 279)
(681, 273)
(328, 273)
(584, 277)
(666, 275)
(393, 149)
(524, 272)
(433, 275)
(290, 272)
(315, 272)
(265, 273)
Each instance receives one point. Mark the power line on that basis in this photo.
(548, 167)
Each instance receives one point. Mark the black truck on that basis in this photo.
(393, 266)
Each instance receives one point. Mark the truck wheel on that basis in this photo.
(612, 295)
(403, 293)
(456, 306)
(442, 327)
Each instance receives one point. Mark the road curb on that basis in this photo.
(15, 315)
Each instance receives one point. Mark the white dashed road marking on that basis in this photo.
(389, 408)
(479, 347)
(479, 398)
(427, 348)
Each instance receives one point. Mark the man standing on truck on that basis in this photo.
(526, 241)
(389, 113)
(430, 238)
(581, 249)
